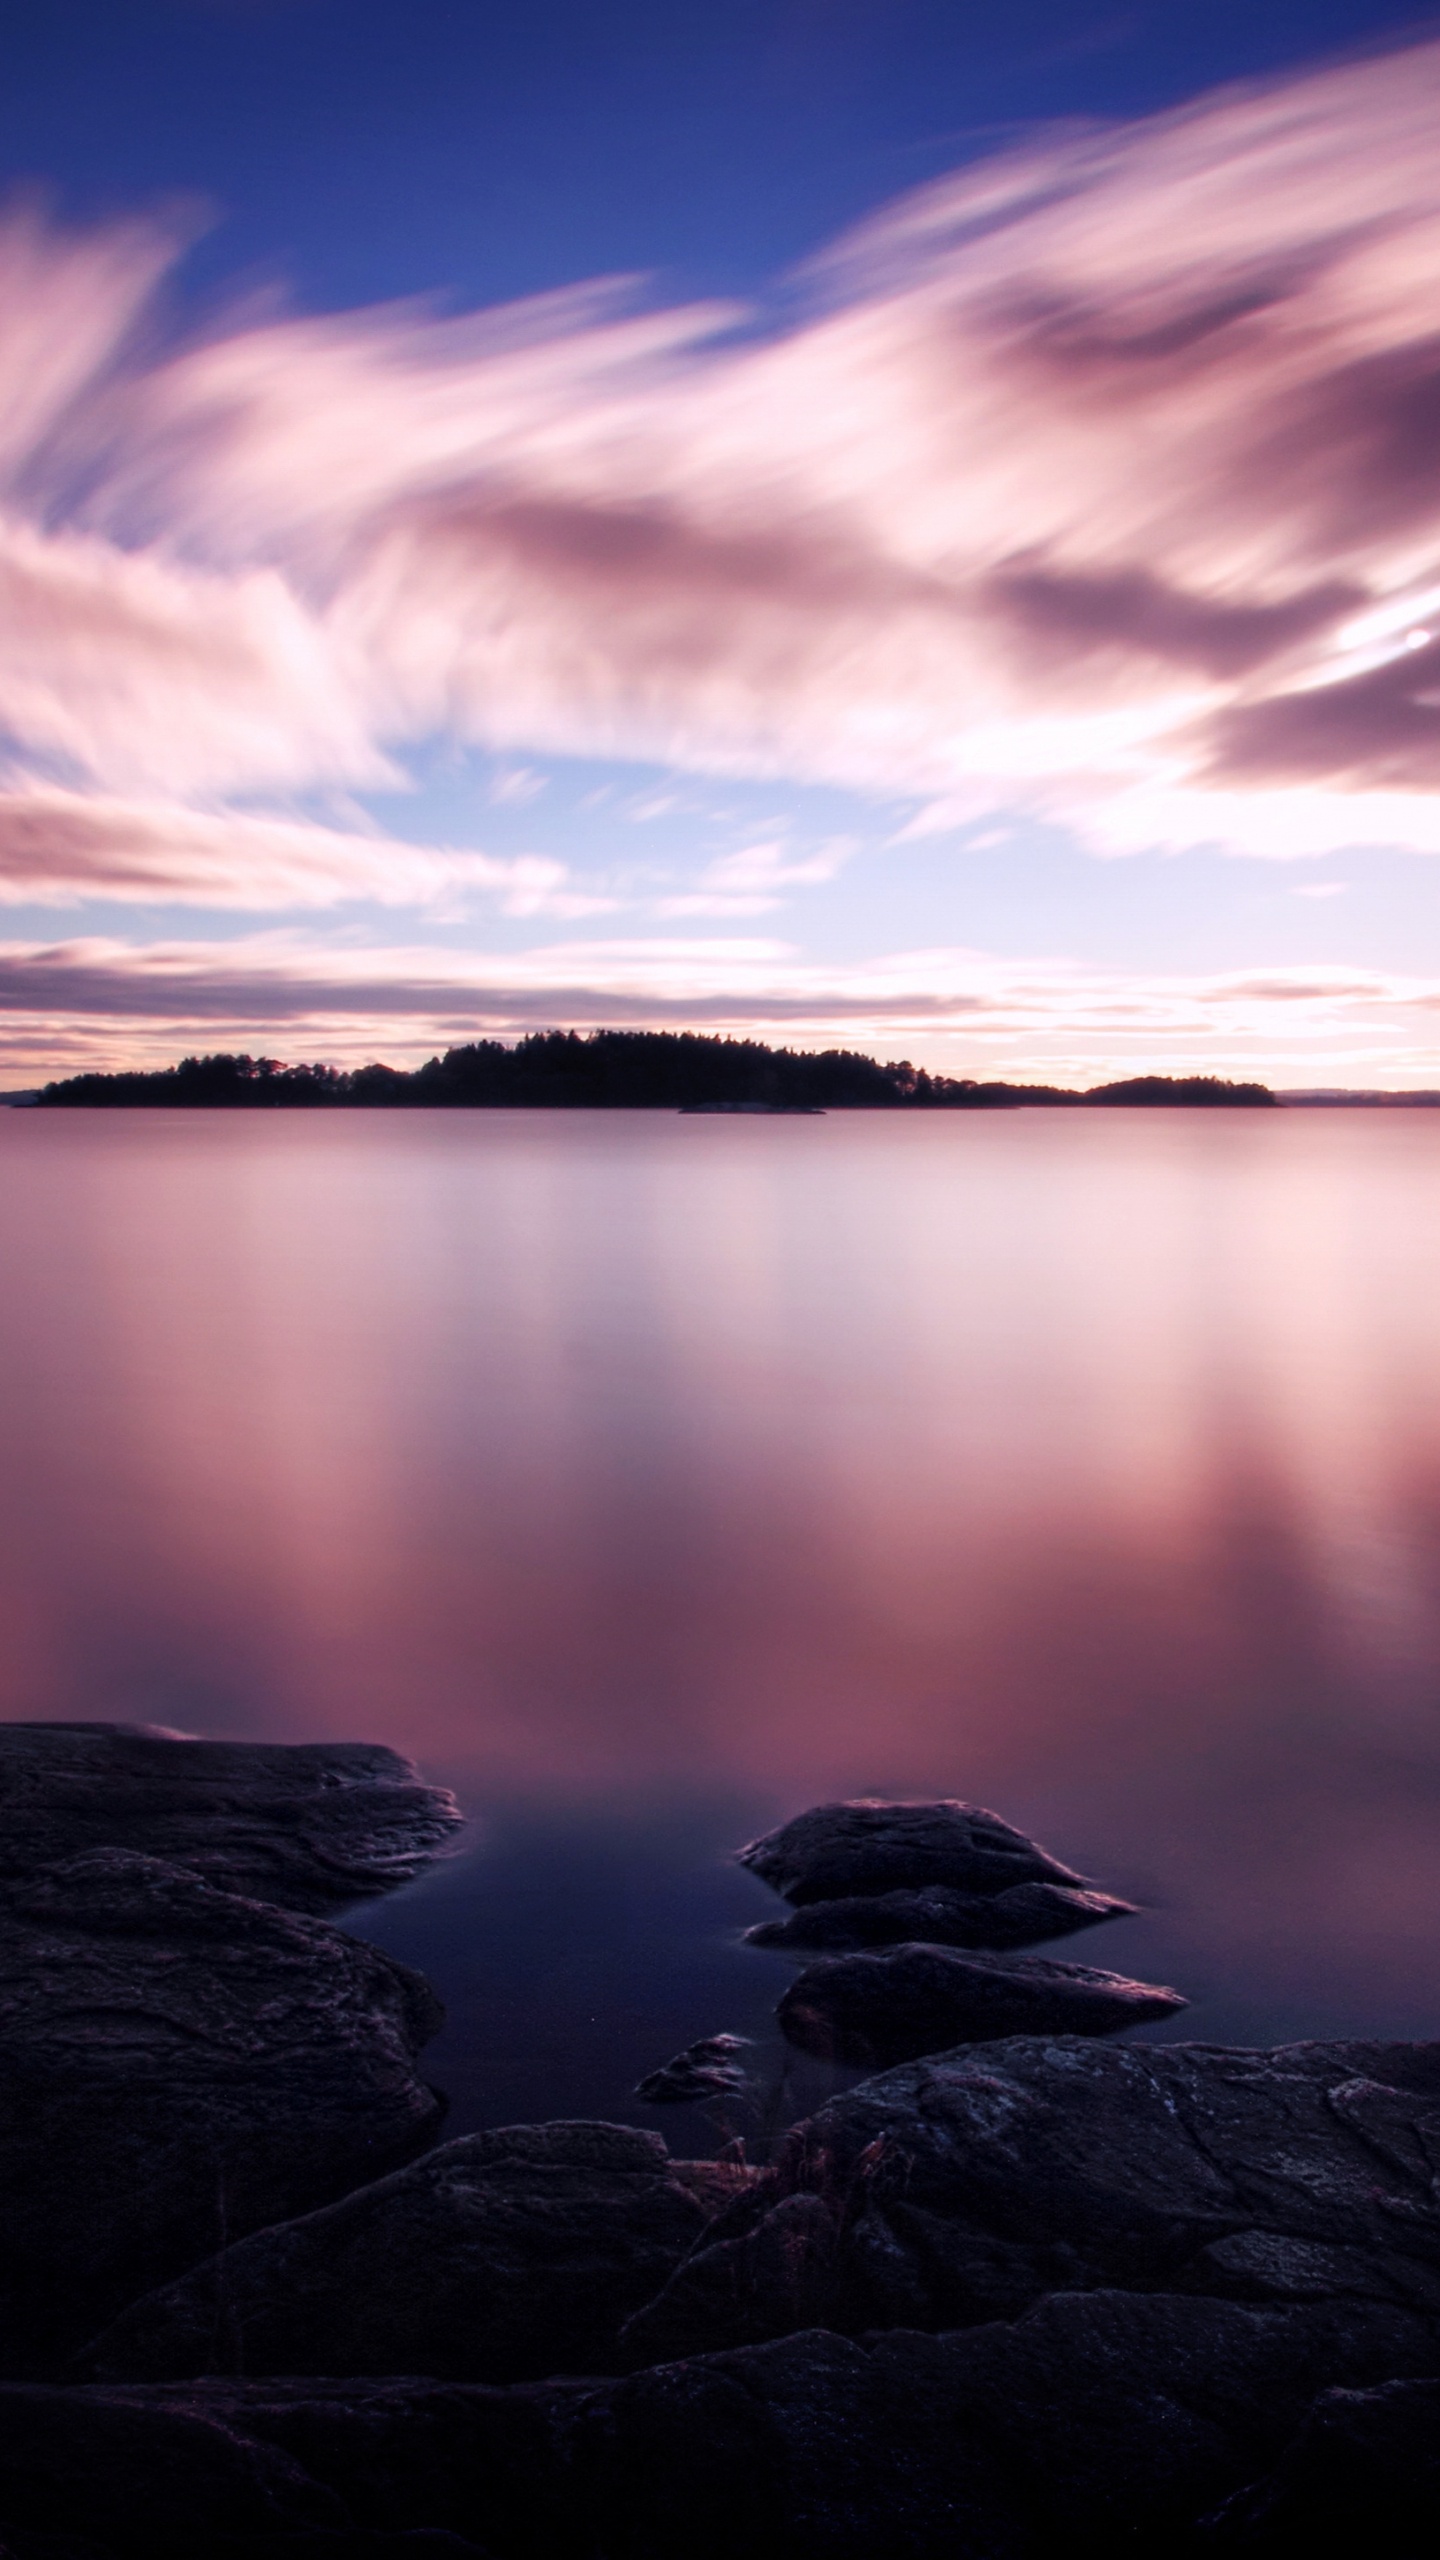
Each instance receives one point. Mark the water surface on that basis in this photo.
(648, 1477)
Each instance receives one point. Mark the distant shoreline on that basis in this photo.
(693, 1072)
(698, 1073)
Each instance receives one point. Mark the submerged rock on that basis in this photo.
(895, 2005)
(177, 2065)
(1022, 1916)
(502, 2257)
(310, 1826)
(868, 1847)
(964, 2188)
(708, 2069)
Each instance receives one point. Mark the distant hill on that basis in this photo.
(607, 1070)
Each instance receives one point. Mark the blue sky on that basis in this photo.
(941, 556)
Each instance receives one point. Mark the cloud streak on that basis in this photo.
(978, 1015)
(1100, 480)
(1067, 483)
(60, 847)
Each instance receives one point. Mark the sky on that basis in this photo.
(912, 524)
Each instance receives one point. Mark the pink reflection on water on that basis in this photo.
(1088, 1465)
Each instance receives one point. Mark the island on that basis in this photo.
(688, 1071)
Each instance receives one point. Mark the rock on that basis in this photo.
(179, 2064)
(895, 2005)
(425, 2543)
(708, 2069)
(1363, 2473)
(310, 1826)
(502, 2257)
(837, 1850)
(1099, 2422)
(964, 2188)
(148, 2478)
(1021, 1916)
(240, 2470)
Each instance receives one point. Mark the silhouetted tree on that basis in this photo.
(1190, 1090)
(605, 1071)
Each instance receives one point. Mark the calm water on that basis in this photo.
(648, 1478)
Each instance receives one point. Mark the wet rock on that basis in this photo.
(1363, 2473)
(310, 1826)
(964, 2188)
(866, 1847)
(177, 2065)
(1022, 1916)
(881, 2008)
(709, 2069)
(502, 2257)
(1098, 2422)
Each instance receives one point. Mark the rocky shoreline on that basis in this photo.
(1017, 2288)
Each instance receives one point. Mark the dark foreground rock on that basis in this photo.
(1098, 2422)
(311, 1826)
(1022, 1916)
(502, 2257)
(964, 2188)
(866, 1847)
(881, 2008)
(1363, 2474)
(178, 2065)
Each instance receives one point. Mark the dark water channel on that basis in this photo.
(647, 1478)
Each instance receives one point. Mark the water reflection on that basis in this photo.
(668, 1473)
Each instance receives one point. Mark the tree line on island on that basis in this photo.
(610, 1070)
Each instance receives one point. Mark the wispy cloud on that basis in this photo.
(60, 847)
(1078, 480)
(1101, 480)
(979, 1015)
(757, 879)
(514, 785)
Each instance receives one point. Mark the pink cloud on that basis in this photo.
(105, 1001)
(59, 847)
(1101, 479)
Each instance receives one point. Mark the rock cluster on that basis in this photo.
(1023, 2294)
(968, 2187)
(900, 1888)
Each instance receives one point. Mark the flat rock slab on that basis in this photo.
(964, 2188)
(179, 2064)
(1099, 2422)
(868, 1847)
(502, 2257)
(895, 2004)
(1022, 1916)
(310, 1826)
